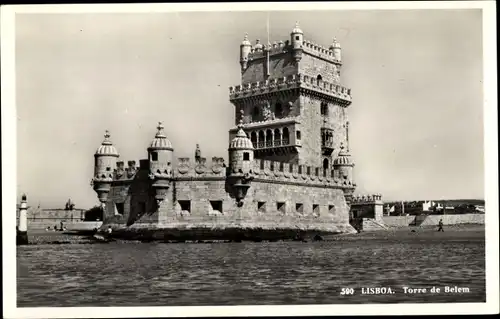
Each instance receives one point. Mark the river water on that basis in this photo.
(161, 274)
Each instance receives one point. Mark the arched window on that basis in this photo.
(325, 164)
(324, 108)
(262, 139)
(278, 110)
(318, 79)
(269, 138)
(255, 113)
(277, 137)
(285, 137)
(253, 138)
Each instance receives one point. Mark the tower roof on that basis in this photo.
(161, 141)
(335, 44)
(241, 141)
(107, 148)
(297, 28)
(344, 158)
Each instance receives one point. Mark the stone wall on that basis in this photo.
(281, 195)
(433, 220)
(312, 66)
(280, 65)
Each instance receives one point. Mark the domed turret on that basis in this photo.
(297, 38)
(240, 162)
(160, 154)
(245, 49)
(344, 165)
(104, 167)
(337, 51)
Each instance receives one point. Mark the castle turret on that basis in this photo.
(335, 47)
(105, 164)
(160, 154)
(344, 166)
(297, 38)
(245, 49)
(240, 163)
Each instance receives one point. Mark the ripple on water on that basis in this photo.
(245, 273)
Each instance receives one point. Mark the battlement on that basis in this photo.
(284, 47)
(319, 51)
(192, 169)
(276, 48)
(122, 173)
(295, 81)
(366, 199)
(286, 172)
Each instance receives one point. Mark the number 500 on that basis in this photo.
(347, 291)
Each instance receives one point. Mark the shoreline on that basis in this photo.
(459, 231)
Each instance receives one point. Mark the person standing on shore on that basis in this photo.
(440, 224)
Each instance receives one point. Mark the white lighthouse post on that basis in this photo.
(22, 230)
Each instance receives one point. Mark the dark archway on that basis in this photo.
(325, 164)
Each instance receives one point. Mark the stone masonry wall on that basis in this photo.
(313, 66)
(311, 123)
(280, 65)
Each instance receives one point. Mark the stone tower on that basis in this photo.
(295, 109)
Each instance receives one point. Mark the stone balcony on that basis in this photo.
(309, 84)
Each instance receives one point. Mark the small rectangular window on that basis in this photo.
(216, 205)
(297, 38)
(298, 135)
(246, 156)
(316, 208)
(299, 207)
(119, 208)
(331, 209)
(281, 207)
(185, 205)
(154, 156)
(261, 207)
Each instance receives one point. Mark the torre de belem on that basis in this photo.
(289, 168)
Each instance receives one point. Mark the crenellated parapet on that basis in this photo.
(186, 168)
(258, 52)
(282, 47)
(309, 84)
(127, 173)
(366, 199)
(299, 174)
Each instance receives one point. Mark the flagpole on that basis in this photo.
(268, 46)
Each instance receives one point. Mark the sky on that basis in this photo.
(416, 121)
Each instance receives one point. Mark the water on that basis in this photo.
(159, 274)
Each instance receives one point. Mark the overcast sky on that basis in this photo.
(416, 121)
